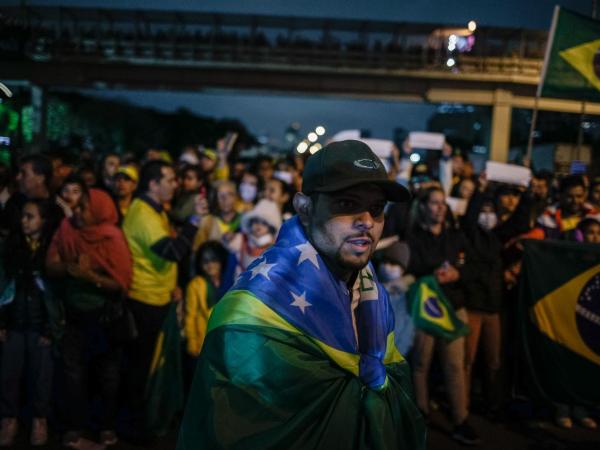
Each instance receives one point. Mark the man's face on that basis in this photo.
(595, 194)
(71, 193)
(592, 234)
(539, 188)
(265, 170)
(226, 198)
(208, 165)
(275, 193)
(29, 181)
(111, 164)
(124, 186)
(346, 226)
(508, 202)
(165, 188)
(466, 189)
(436, 207)
(190, 181)
(573, 200)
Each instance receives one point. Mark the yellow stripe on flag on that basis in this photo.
(581, 57)
(555, 315)
(243, 308)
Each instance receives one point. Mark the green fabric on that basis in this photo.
(164, 391)
(82, 295)
(558, 326)
(259, 387)
(432, 312)
(569, 71)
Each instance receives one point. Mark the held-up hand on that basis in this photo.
(66, 209)
(447, 274)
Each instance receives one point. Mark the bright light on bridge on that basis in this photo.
(312, 137)
(302, 147)
(472, 26)
(320, 130)
(450, 62)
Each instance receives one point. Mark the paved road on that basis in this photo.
(521, 435)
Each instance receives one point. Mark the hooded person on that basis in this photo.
(259, 229)
(300, 353)
(90, 257)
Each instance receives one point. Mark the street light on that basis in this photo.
(314, 148)
(472, 26)
(312, 137)
(450, 62)
(302, 147)
(320, 130)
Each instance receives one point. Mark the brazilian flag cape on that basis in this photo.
(432, 312)
(283, 366)
(559, 313)
(164, 389)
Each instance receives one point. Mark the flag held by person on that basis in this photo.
(572, 63)
(164, 391)
(432, 312)
(559, 314)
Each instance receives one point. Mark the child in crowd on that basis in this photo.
(259, 230)
(25, 326)
(215, 268)
(391, 272)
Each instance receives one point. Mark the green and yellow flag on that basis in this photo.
(164, 391)
(572, 64)
(560, 320)
(432, 312)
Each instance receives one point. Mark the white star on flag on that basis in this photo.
(262, 269)
(300, 301)
(307, 252)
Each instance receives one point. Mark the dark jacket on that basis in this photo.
(428, 252)
(28, 310)
(484, 290)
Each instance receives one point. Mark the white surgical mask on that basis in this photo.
(248, 192)
(390, 272)
(487, 220)
(262, 241)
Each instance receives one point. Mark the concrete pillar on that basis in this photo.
(501, 122)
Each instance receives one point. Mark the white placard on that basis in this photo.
(426, 140)
(457, 205)
(381, 147)
(507, 173)
(345, 135)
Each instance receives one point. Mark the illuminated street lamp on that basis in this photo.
(312, 137)
(472, 26)
(302, 147)
(450, 62)
(315, 148)
(320, 130)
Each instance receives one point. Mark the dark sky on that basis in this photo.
(270, 114)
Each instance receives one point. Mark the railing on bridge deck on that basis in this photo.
(76, 34)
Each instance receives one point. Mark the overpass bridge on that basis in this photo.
(151, 49)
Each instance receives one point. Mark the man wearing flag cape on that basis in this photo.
(300, 352)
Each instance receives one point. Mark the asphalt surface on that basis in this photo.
(513, 435)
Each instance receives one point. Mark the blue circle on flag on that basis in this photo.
(432, 307)
(587, 314)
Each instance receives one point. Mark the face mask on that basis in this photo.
(262, 241)
(390, 272)
(487, 220)
(248, 192)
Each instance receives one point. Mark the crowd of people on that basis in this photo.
(94, 260)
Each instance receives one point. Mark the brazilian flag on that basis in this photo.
(432, 312)
(559, 313)
(164, 389)
(285, 366)
(572, 64)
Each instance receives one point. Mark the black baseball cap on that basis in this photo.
(344, 164)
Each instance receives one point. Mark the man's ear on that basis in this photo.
(303, 206)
